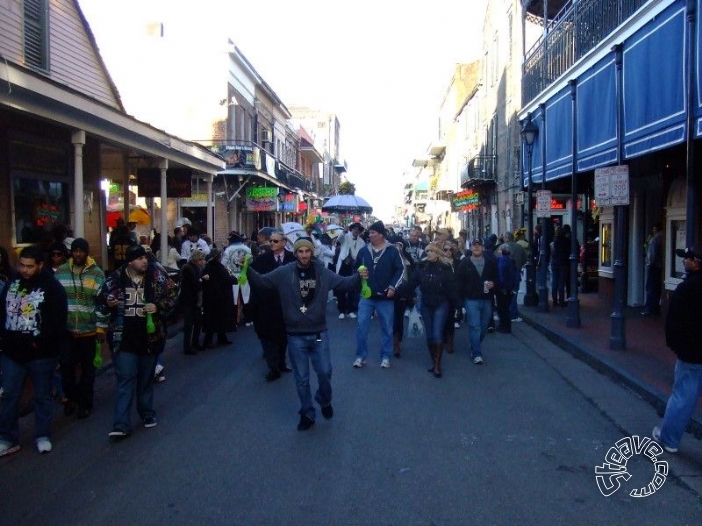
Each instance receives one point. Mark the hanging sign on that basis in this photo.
(543, 203)
(612, 186)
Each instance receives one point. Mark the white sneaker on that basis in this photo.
(516, 320)
(385, 364)
(656, 434)
(342, 316)
(478, 360)
(352, 315)
(359, 363)
(158, 370)
(456, 325)
(44, 445)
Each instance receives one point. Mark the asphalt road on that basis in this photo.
(515, 441)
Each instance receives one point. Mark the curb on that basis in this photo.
(648, 393)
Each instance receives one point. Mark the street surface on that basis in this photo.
(515, 441)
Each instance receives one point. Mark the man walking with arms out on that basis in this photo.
(33, 312)
(682, 334)
(82, 279)
(385, 269)
(139, 296)
(303, 288)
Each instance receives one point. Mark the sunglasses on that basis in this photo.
(275, 240)
(56, 254)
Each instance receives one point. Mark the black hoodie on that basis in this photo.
(33, 314)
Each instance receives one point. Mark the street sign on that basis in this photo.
(519, 198)
(612, 186)
(543, 203)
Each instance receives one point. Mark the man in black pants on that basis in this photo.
(190, 301)
(265, 307)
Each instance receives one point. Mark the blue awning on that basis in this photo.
(559, 139)
(596, 99)
(654, 84)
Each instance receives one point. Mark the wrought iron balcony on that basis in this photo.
(248, 155)
(570, 35)
(479, 170)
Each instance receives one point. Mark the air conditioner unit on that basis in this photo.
(266, 136)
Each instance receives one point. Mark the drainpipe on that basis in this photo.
(617, 339)
(573, 314)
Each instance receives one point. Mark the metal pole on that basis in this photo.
(529, 132)
(617, 339)
(542, 277)
(573, 314)
(691, 200)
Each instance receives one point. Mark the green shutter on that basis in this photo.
(35, 34)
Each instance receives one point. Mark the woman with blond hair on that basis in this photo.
(434, 277)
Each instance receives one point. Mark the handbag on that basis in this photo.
(415, 325)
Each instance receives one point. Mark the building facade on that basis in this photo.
(64, 133)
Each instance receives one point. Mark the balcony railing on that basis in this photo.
(575, 31)
(479, 170)
(253, 156)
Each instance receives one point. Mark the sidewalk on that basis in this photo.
(646, 366)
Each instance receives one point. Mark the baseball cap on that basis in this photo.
(695, 251)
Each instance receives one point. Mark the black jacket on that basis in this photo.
(436, 283)
(684, 319)
(470, 282)
(264, 307)
(190, 284)
(33, 314)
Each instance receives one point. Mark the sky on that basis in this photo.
(382, 66)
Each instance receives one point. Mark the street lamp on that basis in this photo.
(529, 133)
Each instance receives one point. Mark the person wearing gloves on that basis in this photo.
(303, 288)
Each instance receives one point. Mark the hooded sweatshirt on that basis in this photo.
(33, 316)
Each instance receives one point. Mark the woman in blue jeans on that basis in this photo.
(434, 277)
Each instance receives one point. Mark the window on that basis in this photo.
(36, 34)
(39, 205)
(678, 231)
(606, 245)
(40, 187)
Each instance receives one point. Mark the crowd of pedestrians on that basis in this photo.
(58, 306)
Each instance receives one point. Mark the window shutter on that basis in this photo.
(35, 34)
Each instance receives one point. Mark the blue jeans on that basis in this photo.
(434, 320)
(135, 374)
(386, 312)
(14, 373)
(303, 349)
(687, 388)
(478, 313)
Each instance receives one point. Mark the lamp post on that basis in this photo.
(529, 133)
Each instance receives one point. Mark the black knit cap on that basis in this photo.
(80, 244)
(378, 227)
(135, 252)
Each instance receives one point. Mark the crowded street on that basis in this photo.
(515, 440)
